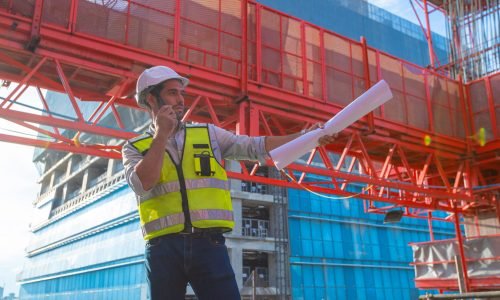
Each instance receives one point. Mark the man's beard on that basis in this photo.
(180, 113)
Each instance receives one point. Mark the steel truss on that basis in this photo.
(388, 162)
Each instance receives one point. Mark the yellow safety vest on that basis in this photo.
(195, 192)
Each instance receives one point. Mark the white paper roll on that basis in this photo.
(368, 101)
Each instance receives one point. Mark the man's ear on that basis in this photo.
(150, 100)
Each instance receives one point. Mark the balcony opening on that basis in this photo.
(255, 221)
(76, 163)
(97, 172)
(59, 175)
(51, 158)
(117, 166)
(254, 187)
(45, 185)
(255, 261)
(74, 188)
(57, 201)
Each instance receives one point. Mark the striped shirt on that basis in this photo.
(225, 145)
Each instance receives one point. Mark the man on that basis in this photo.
(183, 193)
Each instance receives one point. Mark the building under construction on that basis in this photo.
(429, 158)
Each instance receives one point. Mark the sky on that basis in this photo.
(18, 175)
(403, 9)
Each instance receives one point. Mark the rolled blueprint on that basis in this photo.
(368, 101)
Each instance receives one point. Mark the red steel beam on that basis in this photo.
(60, 123)
(259, 103)
(23, 82)
(113, 154)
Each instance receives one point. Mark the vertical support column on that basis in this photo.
(219, 37)
(491, 105)
(379, 77)
(109, 169)
(236, 257)
(472, 125)
(244, 48)
(64, 196)
(429, 222)
(66, 174)
(366, 70)
(69, 165)
(254, 285)
(460, 243)
(127, 23)
(72, 15)
(177, 30)
(242, 124)
(455, 43)
(258, 43)
(237, 205)
(234, 185)
(305, 84)
(85, 181)
(273, 269)
(35, 26)
(52, 179)
(282, 52)
(428, 101)
(324, 88)
(467, 113)
(460, 277)
(253, 121)
(428, 35)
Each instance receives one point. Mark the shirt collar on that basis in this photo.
(151, 130)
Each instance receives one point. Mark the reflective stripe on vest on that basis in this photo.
(198, 215)
(161, 210)
(191, 184)
(162, 223)
(211, 214)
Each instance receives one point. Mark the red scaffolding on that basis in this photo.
(257, 71)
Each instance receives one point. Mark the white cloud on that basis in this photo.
(18, 177)
(19, 189)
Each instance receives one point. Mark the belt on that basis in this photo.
(202, 231)
(192, 232)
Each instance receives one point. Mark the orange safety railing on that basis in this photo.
(256, 71)
(282, 52)
(484, 97)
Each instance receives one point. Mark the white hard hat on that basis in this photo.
(151, 77)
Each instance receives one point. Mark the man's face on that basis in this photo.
(171, 94)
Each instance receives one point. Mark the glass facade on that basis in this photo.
(338, 251)
(95, 252)
(112, 282)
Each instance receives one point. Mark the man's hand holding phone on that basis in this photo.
(166, 121)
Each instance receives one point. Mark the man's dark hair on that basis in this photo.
(156, 89)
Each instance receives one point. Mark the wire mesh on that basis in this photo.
(283, 52)
(474, 36)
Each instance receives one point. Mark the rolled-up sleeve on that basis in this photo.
(240, 147)
(131, 157)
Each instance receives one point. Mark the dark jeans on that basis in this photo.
(202, 260)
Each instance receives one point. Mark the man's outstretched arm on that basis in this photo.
(273, 142)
